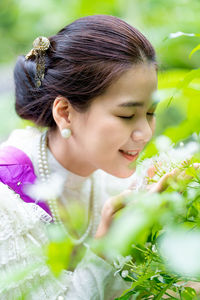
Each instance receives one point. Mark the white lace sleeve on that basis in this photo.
(21, 229)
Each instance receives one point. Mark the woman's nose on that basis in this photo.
(143, 134)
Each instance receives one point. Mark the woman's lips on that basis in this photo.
(130, 157)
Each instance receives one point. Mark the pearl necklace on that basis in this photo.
(44, 173)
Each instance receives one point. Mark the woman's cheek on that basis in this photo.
(153, 125)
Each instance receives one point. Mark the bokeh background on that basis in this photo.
(21, 21)
(178, 113)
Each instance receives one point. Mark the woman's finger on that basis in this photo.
(118, 202)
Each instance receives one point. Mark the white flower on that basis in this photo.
(157, 274)
(168, 159)
(154, 249)
(179, 33)
(180, 250)
(120, 262)
(154, 276)
(163, 143)
(124, 273)
(161, 279)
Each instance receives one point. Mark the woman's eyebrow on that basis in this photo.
(131, 103)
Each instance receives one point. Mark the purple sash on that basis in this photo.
(16, 171)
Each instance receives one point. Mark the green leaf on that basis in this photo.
(59, 250)
(126, 296)
(185, 82)
(192, 212)
(189, 77)
(159, 296)
(194, 50)
(58, 254)
(189, 294)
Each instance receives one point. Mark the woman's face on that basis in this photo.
(118, 124)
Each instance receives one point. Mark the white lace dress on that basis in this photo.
(23, 225)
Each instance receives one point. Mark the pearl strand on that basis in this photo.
(44, 173)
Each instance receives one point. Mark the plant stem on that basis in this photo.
(164, 290)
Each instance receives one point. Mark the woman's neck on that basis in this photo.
(67, 155)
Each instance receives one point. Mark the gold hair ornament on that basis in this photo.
(40, 45)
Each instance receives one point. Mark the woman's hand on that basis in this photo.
(112, 205)
(166, 179)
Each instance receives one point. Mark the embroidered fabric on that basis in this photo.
(21, 234)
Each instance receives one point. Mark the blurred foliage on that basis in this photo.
(21, 21)
(177, 114)
(158, 18)
(59, 250)
(9, 119)
(134, 245)
(138, 229)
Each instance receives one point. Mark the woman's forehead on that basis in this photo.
(137, 80)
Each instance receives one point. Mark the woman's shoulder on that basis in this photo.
(18, 135)
(23, 139)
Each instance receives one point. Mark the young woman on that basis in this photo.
(91, 86)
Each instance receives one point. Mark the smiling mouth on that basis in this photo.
(130, 155)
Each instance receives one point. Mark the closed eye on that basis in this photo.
(130, 117)
(151, 114)
(127, 117)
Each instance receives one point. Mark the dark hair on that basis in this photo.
(83, 60)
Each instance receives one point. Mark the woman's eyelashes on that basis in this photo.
(127, 117)
(152, 114)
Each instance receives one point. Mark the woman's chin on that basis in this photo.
(126, 175)
(122, 173)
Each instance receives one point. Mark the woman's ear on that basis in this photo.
(62, 111)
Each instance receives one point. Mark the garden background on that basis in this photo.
(21, 21)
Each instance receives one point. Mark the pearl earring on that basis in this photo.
(66, 132)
